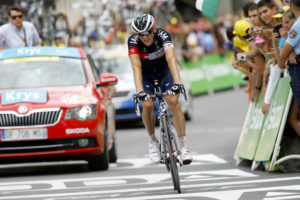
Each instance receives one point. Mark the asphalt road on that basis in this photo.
(212, 137)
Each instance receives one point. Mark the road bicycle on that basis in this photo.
(169, 143)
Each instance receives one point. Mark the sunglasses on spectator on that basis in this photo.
(146, 33)
(17, 16)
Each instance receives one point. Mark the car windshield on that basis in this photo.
(41, 72)
(117, 66)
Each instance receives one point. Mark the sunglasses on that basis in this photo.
(17, 16)
(146, 33)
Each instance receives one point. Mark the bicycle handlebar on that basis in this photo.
(154, 97)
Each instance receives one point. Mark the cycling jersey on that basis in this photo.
(152, 57)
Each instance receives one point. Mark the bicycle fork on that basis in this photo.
(176, 146)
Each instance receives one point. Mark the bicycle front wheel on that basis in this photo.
(171, 160)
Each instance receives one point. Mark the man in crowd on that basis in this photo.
(293, 44)
(266, 10)
(18, 33)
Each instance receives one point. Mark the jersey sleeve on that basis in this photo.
(294, 35)
(132, 45)
(166, 39)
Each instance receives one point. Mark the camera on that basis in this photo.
(276, 29)
(255, 29)
(243, 58)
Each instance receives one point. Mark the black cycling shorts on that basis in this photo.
(165, 82)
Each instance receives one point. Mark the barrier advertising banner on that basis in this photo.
(274, 121)
(211, 73)
(251, 136)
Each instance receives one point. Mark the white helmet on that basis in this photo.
(142, 23)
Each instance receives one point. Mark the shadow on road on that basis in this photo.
(37, 169)
(129, 125)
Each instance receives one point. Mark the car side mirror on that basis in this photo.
(107, 79)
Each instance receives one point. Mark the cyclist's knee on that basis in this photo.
(148, 105)
(173, 103)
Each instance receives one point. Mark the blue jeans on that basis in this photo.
(294, 71)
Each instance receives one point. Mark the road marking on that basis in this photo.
(149, 178)
(273, 194)
(15, 187)
(201, 159)
(130, 180)
(220, 195)
(282, 198)
(107, 182)
(134, 163)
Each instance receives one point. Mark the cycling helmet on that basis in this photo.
(142, 23)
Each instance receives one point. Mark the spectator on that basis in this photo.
(253, 16)
(287, 22)
(266, 10)
(292, 44)
(18, 33)
(243, 29)
(191, 50)
(259, 59)
(246, 7)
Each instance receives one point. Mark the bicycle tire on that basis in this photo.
(172, 159)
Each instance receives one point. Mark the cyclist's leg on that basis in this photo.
(166, 82)
(149, 122)
(178, 117)
(148, 116)
(148, 107)
(177, 114)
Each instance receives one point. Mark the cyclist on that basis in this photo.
(152, 57)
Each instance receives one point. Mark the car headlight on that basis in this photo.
(82, 113)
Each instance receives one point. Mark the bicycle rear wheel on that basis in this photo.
(171, 160)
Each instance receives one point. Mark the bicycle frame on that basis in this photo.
(163, 113)
(169, 143)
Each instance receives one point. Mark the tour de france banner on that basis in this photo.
(274, 120)
(211, 73)
(250, 137)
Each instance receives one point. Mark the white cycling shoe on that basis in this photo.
(186, 156)
(154, 151)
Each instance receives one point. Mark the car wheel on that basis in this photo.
(100, 162)
(113, 152)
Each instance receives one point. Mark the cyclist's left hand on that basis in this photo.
(175, 89)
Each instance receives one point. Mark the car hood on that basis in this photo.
(49, 97)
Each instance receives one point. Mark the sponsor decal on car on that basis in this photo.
(77, 130)
(17, 96)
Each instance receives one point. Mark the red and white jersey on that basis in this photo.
(152, 57)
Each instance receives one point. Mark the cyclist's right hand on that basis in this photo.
(143, 96)
(175, 89)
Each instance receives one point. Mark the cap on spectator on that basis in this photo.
(280, 11)
(174, 20)
(237, 42)
(259, 40)
(285, 8)
(241, 27)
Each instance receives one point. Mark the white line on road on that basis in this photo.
(222, 195)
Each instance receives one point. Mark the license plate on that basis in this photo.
(24, 134)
